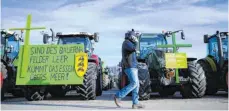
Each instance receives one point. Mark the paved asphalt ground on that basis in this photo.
(105, 102)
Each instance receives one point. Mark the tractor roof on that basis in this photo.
(7, 32)
(221, 34)
(150, 35)
(76, 34)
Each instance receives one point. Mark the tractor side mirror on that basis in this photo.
(206, 38)
(96, 37)
(182, 35)
(45, 38)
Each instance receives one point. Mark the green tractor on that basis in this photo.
(58, 68)
(164, 70)
(215, 64)
(106, 79)
(77, 38)
(10, 44)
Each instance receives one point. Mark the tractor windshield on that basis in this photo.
(76, 40)
(71, 40)
(148, 42)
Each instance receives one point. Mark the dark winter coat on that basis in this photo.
(129, 59)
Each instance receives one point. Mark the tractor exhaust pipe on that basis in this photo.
(53, 34)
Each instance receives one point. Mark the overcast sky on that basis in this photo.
(112, 18)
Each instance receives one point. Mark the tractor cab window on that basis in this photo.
(147, 43)
(88, 45)
(3, 41)
(75, 40)
(225, 47)
(213, 48)
(71, 40)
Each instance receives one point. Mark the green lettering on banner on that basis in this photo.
(50, 64)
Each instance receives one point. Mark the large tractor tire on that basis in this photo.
(57, 91)
(34, 93)
(105, 82)
(211, 78)
(144, 80)
(225, 76)
(197, 86)
(88, 89)
(3, 76)
(99, 83)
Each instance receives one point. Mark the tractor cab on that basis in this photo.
(79, 38)
(10, 44)
(217, 46)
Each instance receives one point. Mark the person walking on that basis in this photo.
(129, 64)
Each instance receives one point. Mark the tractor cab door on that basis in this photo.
(14, 46)
(212, 48)
(225, 47)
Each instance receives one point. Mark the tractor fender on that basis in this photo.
(211, 62)
(96, 58)
(93, 61)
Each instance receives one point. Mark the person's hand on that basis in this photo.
(138, 52)
(135, 39)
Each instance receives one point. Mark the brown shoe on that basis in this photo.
(117, 101)
(138, 106)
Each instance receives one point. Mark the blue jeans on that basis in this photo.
(132, 74)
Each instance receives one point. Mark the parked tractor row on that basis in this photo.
(67, 62)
